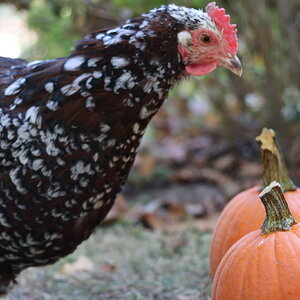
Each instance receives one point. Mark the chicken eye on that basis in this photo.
(205, 38)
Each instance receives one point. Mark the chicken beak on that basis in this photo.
(233, 64)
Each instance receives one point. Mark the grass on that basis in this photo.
(126, 262)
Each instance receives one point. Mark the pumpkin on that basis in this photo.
(245, 212)
(265, 263)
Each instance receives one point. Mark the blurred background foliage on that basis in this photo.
(215, 114)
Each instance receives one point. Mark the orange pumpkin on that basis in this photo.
(264, 264)
(245, 212)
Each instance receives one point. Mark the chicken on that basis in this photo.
(70, 127)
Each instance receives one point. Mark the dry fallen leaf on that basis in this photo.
(82, 264)
(118, 210)
(196, 210)
(154, 221)
(147, 165)
(226, 162)
(184, 175)
(203, 175)
(174, 208)
(249, 169)
(106, 268)
(166, 224)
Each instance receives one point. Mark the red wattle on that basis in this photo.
(200, 69)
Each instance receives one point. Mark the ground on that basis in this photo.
(126, 260)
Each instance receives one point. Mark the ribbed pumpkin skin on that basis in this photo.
(243, 214)
(260, 267)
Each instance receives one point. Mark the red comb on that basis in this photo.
(223, 24)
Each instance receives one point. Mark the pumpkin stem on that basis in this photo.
(279, 216)
(274, 167)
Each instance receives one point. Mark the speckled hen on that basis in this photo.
(70, 127)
